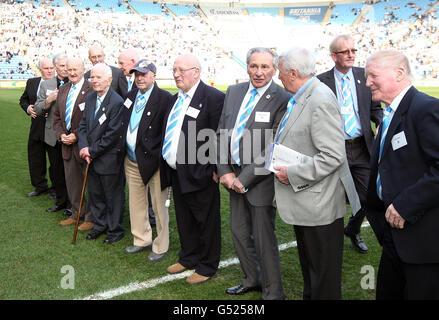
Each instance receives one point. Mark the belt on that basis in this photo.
(354, 140)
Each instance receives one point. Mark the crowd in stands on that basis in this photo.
(31, 29)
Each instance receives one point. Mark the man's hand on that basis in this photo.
(226, 180)
(52, 97)
(68, 139)
(238, 186)
(31, 111)
(282, 174)
(393, 218)
(215, 177)
(85, 154)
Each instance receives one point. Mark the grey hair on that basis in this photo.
(105, 68)
(394, 59)
(333, 47)
(262, 49)
(41, 60)
(299, 59)
(58, 57)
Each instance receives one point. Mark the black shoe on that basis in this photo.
(56, 208)
(67, 213)
(357, 242)
(111, 239)
(137, 249)
(36, 193)
(94, 235)
(239, 290)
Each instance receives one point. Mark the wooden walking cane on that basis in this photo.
(80, 202)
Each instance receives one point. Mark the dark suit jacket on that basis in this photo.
(29, 97)
(104, 139)
(196, 176)
(410, 180)
(149, 134)
(118, 82)
(59, 118)
(368, 110)
(260, 184)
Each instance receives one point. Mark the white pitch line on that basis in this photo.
(137, 286)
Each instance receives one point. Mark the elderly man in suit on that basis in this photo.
(36, 147)
(145, 109)
(251, 115)
(188, 165)
(355, 100)
(402, 205)
(310, 194)
(100, 144)
(127, 59)
(67, 114)
(118, 83)
(46, 99)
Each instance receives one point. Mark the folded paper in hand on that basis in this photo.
(284, 157)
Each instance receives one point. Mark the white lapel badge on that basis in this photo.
(103, 109)
(358, 81)
(267, 96)
(149, 113)
(200, 105)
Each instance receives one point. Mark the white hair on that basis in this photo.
(299, 59)
(104, 67)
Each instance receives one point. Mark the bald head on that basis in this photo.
(186, 71)
(75, 69)
(96, 54)
(127, 59)
(101, 78)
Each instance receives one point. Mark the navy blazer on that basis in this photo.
(410, 180)
(195, 176)
(367, 109)
(149, 135)
(29, 96)
(104, 139)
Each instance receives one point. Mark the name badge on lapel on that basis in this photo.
(102, 119)
(192, 112)
(81, 106)
(262, 116)
(128, 103)
(399, 140)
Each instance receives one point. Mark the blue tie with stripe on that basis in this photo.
(290, 107)
(69, 107)
(170, 129)
(98, 105)
(384, 127)
(350, 123)
(245, 115)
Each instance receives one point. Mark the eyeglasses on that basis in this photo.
(347, 51)
(174, 71)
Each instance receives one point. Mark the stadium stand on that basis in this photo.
(219, 34)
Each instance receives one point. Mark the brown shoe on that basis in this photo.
(176, 268)
(67, 222)
(87, 225)
(196, 278)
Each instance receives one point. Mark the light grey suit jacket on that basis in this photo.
(316, 194)
(255, 140)
(40, 108)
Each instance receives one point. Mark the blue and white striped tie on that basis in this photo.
(170, 129)
(69, 107)
(98, 105)
(384, 127)
(248, 109)
(290, 107)
(350, 123)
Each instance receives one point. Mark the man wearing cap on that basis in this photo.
(144, 111)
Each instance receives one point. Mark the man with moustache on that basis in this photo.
(67, 114)
(194, 182)
(251, 111)
(358, 110)
(100, 143)
(118, 83)
(36, 147)
(46, 99)
(146, 106)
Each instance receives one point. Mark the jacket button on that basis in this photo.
(150, 127)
